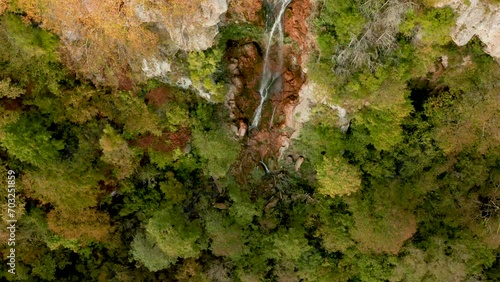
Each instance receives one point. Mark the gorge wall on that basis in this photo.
(245, 58)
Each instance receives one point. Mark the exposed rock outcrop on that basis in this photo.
(298, 163)
(155, 68)
(297, 28)
(476, 18)
(186, 25)
(192, 25)
(200, 29)
(311, 95)
(245, 11)
(269, 141)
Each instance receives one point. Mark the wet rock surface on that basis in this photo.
(296, 27)
(246, 11)
(268, 142)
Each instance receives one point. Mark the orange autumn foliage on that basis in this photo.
(3, 7)
(102, 40)
(106, 40)
(89, 225)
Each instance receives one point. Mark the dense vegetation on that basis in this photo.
(143, 184)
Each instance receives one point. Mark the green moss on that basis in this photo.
(239, 32)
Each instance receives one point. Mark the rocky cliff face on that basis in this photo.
(268, 142)
(191, 28)
(245, 11)
(199, 31)
(476, 18)
(183, 25)
(119, 43)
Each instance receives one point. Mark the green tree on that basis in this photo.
(334, 232)
(29, 56)
(290, 244)
(29, 141)
(130, 112)
(433, 25)
(117, 153)
(45, 267)
(10, 90)
(444, 260)
(202, 66)
(465, 115)
(147, 252)
(175, 235)
(217, 149)
(227, 238)
(64, 185)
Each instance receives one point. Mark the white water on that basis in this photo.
(269, 78)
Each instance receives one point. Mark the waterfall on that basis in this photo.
(269, 78)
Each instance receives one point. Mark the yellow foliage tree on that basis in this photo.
(117, 153)
(337, 177)
(102, 40)
(88, 225)
(63, 185)
(8, 90)
(386, 232)
(107, 40)
(3, 6)
(72, 190)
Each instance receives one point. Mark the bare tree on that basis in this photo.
(490, 210)
(378, 38)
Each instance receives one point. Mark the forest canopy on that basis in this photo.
(121, 177)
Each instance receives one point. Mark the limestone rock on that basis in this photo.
(476, 18)
(298, 163)
(193, 30)
(184, 82)
(155, 68)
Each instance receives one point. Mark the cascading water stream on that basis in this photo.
(269, 78)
